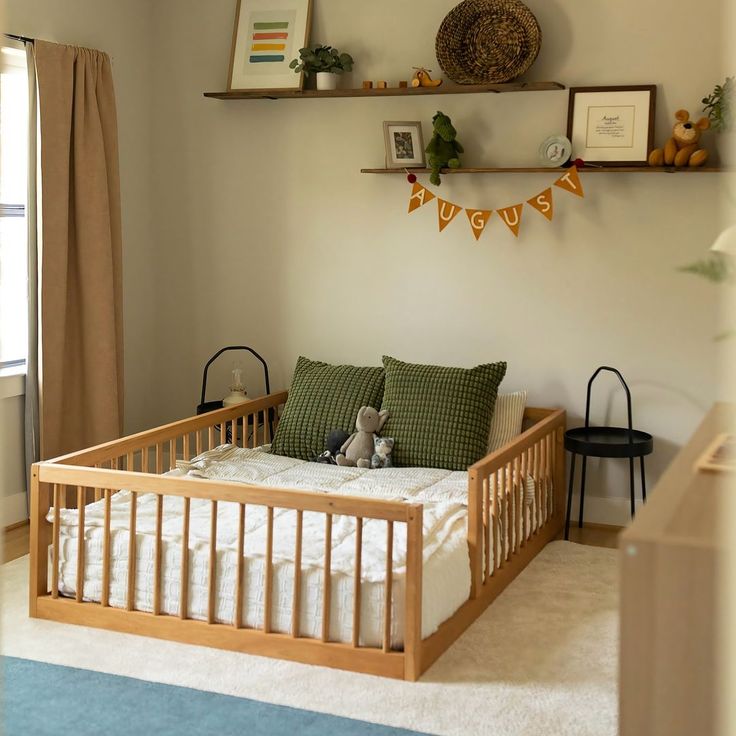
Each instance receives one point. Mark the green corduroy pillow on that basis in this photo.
(439, 417)
(323, 397)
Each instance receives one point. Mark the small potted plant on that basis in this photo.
(324, 62)
(718, 105)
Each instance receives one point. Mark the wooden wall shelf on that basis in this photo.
(444, 89)
(552, 170)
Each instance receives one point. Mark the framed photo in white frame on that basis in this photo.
(612, 126)
(267, 36)
(404, 145)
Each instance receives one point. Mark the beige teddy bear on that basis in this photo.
(682, 149)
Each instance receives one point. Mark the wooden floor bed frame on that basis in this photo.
(495, 522)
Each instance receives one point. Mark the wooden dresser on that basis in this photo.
(670, 559)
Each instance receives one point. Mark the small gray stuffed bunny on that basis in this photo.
(359, 447)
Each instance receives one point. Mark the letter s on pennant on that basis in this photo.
(543, 203)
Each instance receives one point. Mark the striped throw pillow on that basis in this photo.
(323, 397)
(507, 419)
(439, 417)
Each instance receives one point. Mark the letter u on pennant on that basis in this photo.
(543, 203)
(446, 212)
(570, 182)
(512, 217)
(478, 220)
(419, 196)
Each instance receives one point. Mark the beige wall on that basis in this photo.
(249, 221)
(268, 234)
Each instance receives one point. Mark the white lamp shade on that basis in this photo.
(726, 242)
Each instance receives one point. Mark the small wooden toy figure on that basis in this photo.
(422, 78)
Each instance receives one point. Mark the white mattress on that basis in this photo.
(446, 576)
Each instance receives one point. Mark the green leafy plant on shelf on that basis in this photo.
(718, 106)
(322, 59)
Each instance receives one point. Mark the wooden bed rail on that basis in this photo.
(502, 515)
(50, 479)
(261, 409)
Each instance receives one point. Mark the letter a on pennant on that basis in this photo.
(478, 220)
(512, 217)
(419, 196)
(543, 203)
(446, 211)
(570, 182)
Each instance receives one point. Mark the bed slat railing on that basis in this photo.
(513, 494)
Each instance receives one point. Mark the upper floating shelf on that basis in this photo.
(550, 170)
(443, 89)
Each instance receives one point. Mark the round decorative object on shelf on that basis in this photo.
(555, 151)
(487, 41)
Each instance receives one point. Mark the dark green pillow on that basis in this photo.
(323, 397)
(439, 417)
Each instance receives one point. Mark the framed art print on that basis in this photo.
(612, 126)
(404, 145)
(267, 36)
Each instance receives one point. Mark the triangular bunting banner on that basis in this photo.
(446, 212)
(543, 203)
(478, 220)
(419, 195)
(570, 182)
(512, 217)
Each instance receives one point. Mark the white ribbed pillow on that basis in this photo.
(507, 419)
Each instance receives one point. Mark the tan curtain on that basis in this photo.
(81, 340)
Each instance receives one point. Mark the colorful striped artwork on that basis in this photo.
(269, 41)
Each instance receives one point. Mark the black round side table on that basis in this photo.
(606, 442)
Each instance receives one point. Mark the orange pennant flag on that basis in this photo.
(570, 182)
(419, 196)
(512, 217)
(478, 220)
(543, 203)
(446, 211)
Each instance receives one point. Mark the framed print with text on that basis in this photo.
(268, 35)
(612, 126)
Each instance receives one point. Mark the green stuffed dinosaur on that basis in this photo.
(443, 149)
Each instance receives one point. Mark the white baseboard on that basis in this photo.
(599, 510)
(13, 509)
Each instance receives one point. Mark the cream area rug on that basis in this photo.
(542, 659)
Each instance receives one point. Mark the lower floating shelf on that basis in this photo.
(549, 170)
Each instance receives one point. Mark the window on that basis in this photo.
(13, 194)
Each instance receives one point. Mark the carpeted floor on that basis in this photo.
(541, 660)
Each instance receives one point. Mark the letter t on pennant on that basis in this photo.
(570, 182)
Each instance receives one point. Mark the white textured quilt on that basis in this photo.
(446, 578)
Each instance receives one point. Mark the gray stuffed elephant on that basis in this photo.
(359, 447)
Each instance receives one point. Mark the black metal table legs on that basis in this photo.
(632, 489)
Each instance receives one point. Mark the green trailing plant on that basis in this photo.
(717, 268)
(717, 105)
(322, 59)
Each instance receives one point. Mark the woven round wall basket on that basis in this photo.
(487, 41)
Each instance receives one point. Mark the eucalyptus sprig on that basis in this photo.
(322, 59)
(718, 105)
(717, 268)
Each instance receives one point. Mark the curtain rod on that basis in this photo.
(25, 39)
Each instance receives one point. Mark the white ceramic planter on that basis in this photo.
(326, 80)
